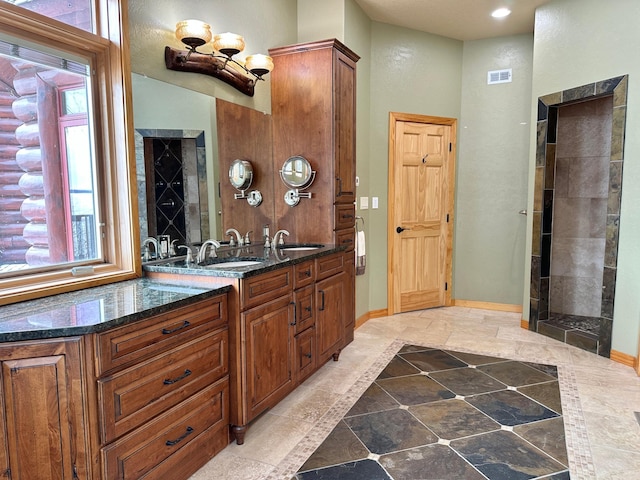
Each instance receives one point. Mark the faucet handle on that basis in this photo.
(232, 240)
(247, 239)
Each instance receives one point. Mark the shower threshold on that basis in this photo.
(580, 331)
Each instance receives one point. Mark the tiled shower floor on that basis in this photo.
(441, 414)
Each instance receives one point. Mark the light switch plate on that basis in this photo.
(364, 203)
(374, 202)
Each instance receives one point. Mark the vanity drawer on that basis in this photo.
(135, 395)
(345, 216)
(263, 288)
(303, 274)
(303, 299)
(329, 265)
(305, 354)
(137, 341)
(166, 445)
(346, 237)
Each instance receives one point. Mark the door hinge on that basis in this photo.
(449, 146)
(446, 286)
(447, 218)
(7, 473)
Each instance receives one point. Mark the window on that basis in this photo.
(65, 190)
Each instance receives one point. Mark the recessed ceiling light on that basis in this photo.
(500, 12)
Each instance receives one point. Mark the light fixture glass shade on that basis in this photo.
(259, 64)
(228, 43)
(193, 33)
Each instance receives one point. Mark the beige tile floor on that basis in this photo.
(599, 396)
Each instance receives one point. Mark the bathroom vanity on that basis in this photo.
(290, 311)
(121, 381)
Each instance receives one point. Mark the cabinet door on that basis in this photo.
(330, 298)
(269, 353)
(345, 127)
(43, 400)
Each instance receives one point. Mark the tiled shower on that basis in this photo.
(576, 213)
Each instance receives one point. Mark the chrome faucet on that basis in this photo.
(202, 253)
(189, 258)
(145, 246)
(234, 241)
(278, 238)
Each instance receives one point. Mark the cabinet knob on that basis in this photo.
(308, 355)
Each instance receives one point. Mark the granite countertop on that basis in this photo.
(95, 309)
(269, 259)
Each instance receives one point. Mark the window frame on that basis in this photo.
(107, 52)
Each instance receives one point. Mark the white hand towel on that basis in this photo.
(361, 260)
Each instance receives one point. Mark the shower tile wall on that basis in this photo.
(580, 207)
(590, 246)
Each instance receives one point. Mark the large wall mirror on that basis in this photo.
(206, 135)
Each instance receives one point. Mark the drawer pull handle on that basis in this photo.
(322, 303)
(166, 331)
(307, 273)
(347, 240)
(171, 443)
(186, 373)
(308, 309)
(295, 314)
(345, 216)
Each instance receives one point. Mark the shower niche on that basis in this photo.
(576, 218)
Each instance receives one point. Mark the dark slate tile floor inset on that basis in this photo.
(414, 389)
(515, 374)
(467, 381)
(397, 368)
(384, 432)
(433, 360)
(510, 408)
(509, 458)
(451, 419)
(360, 470)
(433, 462)
(548, 394)
(374, 399)
(469, 417)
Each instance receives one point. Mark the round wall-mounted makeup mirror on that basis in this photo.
(241, 174)
(296, 174)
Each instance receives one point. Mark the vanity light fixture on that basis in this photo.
(219, 63)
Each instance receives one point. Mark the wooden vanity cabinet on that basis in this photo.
(291, 321)
(163, 392)
(269, 353)
(42, 407)
(313, 106)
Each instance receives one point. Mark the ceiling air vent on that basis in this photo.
(499, 76)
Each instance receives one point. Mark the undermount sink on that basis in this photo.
(237, 264)
(300, 247)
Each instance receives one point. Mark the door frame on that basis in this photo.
(394, 118)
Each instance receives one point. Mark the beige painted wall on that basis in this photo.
(321, 20)
(578, 42)
(492, 171)
(411, 72)
(358, 38)
(263, 23)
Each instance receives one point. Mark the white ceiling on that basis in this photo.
(459, 19)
